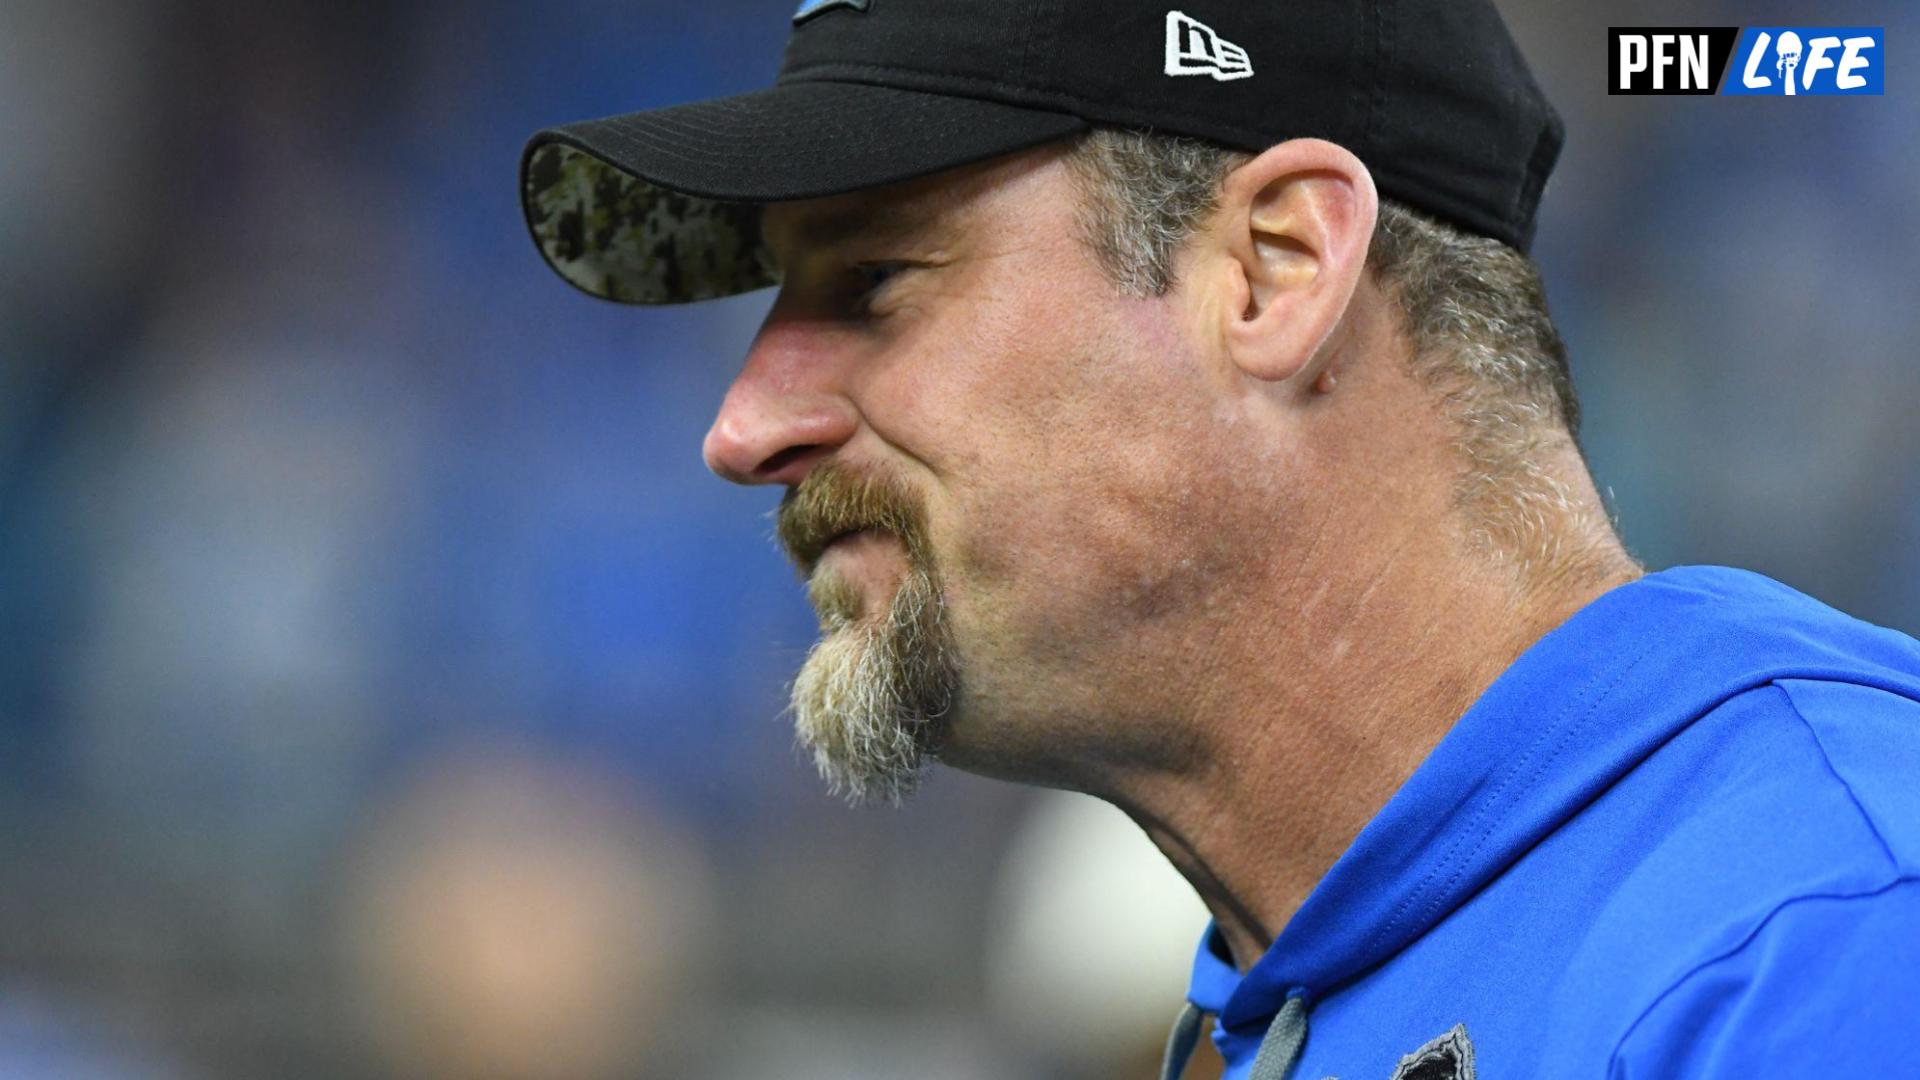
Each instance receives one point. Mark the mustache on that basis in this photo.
(833, 499)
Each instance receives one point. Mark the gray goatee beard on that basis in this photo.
(870, 701)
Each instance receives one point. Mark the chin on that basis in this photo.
(873, 700)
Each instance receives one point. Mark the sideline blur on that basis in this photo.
(388, 690)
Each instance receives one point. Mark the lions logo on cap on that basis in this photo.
(810, 8)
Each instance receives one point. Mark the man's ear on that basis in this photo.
(1295, 226)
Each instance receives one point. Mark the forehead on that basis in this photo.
(942, 207)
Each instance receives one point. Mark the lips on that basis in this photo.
(808, 555)
(847, 535)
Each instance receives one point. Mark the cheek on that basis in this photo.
(1096, 456)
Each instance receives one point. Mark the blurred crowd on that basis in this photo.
(388, 690)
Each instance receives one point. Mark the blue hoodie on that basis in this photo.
(1678, 837)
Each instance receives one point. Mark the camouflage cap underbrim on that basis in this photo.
(663, 206)
(619, 237)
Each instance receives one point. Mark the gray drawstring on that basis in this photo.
(1279, 1047)
(1180, 1042)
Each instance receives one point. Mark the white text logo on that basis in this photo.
(1194, 49)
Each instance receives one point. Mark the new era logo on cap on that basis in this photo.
(1194, 49)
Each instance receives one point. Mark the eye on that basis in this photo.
(868, 279)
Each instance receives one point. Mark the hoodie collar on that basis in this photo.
(1578, 710)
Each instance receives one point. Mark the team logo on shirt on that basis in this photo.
(1447, 1057)
(1444, 1057)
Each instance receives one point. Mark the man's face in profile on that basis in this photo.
(1000, 489)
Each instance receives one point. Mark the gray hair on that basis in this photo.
(1473, 308)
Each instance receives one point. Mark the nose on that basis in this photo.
(785, 411)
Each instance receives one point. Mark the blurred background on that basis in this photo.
(388, 690)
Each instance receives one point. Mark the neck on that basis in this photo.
(1374, 661)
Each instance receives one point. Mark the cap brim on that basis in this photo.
(663, 207)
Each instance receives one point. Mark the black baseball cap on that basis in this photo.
(663, 206)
